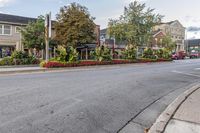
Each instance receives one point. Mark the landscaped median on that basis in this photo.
(57, 64)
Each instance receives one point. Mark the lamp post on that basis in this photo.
(47, 34)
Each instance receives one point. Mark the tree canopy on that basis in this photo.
(135, 25)
(168, 43)
(74, 26)
(33, 34)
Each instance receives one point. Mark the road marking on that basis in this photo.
(188, 74)
(197, 69)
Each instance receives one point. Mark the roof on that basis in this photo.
(169, 23)
(103, 31)
(15, 19)
(193, 42)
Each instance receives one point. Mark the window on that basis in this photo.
(17, 29)
(1, 29)
(5, 30)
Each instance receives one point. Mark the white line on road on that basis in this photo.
(188, 74)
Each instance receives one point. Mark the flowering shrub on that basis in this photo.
(56, 64)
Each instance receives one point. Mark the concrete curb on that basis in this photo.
(66, 68)
(162, 121)
(22, 71)
(19, 66)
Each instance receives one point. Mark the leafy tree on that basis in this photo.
(168, 43)
(74, 26)
(135, 25)
(33, 34)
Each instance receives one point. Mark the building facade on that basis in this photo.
(176, 30)
(10, 36)
(157, 37)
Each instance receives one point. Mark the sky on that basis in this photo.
(186, 11)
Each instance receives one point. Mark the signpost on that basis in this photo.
(47, 34)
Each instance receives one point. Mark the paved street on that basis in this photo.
(93, 100)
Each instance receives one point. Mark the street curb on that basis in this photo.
(22, 71)
(162, 121)
(67, 68)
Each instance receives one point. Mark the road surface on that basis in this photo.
(102, 99)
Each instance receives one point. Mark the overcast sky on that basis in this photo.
(186, 11)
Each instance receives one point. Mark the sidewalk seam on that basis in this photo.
(186, 121)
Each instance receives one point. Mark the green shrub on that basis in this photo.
(61, 54)
(19, 58)
(6, 61)
(102, 53)
(73, 55)
(42, 64)
(166, 54)
(130, 52)
(163, 53)
(19, 55)
(149, 54)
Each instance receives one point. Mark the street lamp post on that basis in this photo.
(47, 34)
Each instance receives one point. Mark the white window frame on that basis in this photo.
(16, 29)
(3, 25)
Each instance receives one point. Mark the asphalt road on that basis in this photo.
(93, 100)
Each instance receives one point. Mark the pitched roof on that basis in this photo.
(103, 31)
(15, 19)
(155, 33)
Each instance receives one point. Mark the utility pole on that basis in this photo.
(47, 34)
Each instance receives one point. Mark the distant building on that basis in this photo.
(10, 37)
(157, 37)
(176, 30)
(110, 42)
(192, 46)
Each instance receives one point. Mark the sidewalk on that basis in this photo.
(11, 70)
(187, 117)
(181, 116)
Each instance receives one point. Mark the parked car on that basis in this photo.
(194, 55)
(178, 55)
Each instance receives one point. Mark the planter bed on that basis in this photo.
(55, 64)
